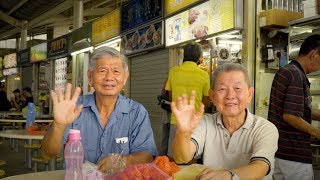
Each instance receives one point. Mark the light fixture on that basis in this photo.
(82, 51)
(111, 43)
(17, 78)
(3, 80)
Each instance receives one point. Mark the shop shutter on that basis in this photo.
(26, 76)
(147, 75)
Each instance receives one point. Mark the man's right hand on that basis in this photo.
(185, 113)
(64, 107)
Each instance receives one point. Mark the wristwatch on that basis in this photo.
(234, 176)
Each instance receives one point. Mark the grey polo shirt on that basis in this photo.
(256, 139)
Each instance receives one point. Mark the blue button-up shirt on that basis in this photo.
(129, 120)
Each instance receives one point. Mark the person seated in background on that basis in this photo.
(27, 96)
(17, 101)
(238, 144)
(104, 118)
(5, 104)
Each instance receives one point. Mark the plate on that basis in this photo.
(149, 33)
(157, 37)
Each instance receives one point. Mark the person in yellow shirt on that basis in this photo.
(182, 79)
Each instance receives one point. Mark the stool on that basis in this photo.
(33, 147)
(39, 159)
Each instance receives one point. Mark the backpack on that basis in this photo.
(163, 101)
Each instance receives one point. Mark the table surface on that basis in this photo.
(23, 120)
(19, 134)
(47, 175)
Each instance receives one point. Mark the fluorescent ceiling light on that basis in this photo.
(111, 43)
(82, 51)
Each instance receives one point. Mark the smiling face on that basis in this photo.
(108, 76)
(231, 93)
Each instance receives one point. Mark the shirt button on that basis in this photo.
(225, 135)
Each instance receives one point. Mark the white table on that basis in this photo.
(22, 134)
(47, 175)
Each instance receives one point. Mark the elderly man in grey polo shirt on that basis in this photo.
(233, 143)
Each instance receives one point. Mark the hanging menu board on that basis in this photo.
(106, 27)
(172, 6)
(38, 53)
(60, 75)
(211, 17)
(10, 61)
(58, 47)
(145, 38)
(10, 71)
(138, 12)
(23, 57)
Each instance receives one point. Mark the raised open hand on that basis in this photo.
(64, 107)
(186, 115)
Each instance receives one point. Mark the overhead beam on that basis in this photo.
(21, 3)
(97, 11)
(56, 10)
(14, 22)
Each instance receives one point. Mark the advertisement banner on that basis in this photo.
(106, 27)
(58, 47)
(145, 38)
(38, 53)
(211, 17)
(139, 12)
(10, 71)
(10, 60)
(171, 6)
(23, 57)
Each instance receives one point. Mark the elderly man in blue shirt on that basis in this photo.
(104, 118)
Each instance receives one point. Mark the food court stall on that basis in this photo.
(142, 29)
(216, 24)
(80, 51)
(43, 71)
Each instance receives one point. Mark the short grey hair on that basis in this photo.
(106, 51)
(229, 67)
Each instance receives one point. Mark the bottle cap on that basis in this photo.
(74, 134)
(30, 104)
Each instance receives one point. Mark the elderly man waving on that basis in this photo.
(104, 117)
(237, 143)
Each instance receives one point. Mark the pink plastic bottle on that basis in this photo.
(73, 155)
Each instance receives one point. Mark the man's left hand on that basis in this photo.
(111, 164)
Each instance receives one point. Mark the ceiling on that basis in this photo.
(40, 15)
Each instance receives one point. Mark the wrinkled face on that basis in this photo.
(108, 76)
(231, 94)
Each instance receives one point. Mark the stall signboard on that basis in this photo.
(23, 57)
(106, 27)
(172, 6)
(1, 67)
(82, 33)
(139, 12)
(10, 61)
(58, 47)
(10, 71)
(149, 37)
(38, 53)
(211, 17)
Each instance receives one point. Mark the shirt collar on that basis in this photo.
(247, 124)
(122, 104)
(298, 65)
(189, 63)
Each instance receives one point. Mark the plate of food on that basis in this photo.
(157, 37)
(149, 33)
(134, 39)
(123, 42)
(142, 41)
